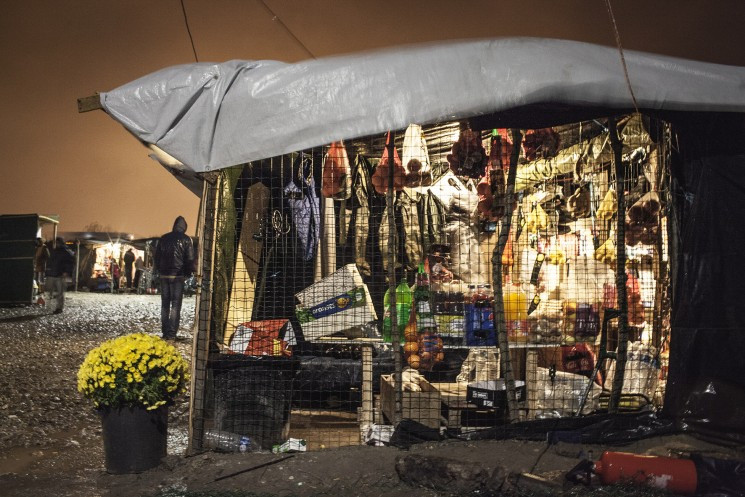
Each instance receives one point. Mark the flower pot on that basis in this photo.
(134, 439)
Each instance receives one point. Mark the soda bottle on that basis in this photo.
(403, 308)
(422, 300)
(225, 441)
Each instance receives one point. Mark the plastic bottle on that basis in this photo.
(226, 441)
(470, 315)
(516, 312)
(404, 299)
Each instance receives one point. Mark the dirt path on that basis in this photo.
(50, 437)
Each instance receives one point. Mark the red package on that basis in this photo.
(256, 338)
(578, 359)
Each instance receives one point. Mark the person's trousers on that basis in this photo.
(171, 294)
(56, 285)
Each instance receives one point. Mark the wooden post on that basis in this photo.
(200, 347)
(366, 418)
(531, 380)
(87, 104)
(623, 306)
(395, 339)
(505, 361)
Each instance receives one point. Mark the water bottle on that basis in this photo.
(226, 441)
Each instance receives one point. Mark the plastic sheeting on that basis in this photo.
(210, 116)
(706, 381)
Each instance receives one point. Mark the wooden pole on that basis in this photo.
(505, 361)
(200, 346)
(623, 306)
(393, 248)
(87, 104)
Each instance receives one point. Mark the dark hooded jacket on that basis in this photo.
(175, 253)
(61, 260)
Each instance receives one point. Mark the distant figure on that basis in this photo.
(139, 266)
(129, 258)
(41, 256)
(174, 260)
(116, 274)
(60, 265)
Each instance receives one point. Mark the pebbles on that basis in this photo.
(41, 352)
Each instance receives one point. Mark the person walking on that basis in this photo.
(129, 258)
(40, 263)
(139, 266)
(60, 265)
(174, 261)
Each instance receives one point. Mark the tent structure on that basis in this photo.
(204, 117)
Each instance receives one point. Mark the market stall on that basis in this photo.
(501, 245)
(100, 259)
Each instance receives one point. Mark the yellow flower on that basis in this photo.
(137, 369)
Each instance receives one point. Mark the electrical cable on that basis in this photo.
(275, 17)
(191, 39)
(620, 51)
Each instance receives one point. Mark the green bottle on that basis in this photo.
(404, 300)
(424, 318)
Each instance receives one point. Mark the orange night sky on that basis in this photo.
(87, 168)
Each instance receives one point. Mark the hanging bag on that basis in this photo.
(336, 179)
(380, 176)
(416, 158)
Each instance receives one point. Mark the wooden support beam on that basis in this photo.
(87, 104)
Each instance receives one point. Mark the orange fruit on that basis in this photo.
(411, 347)
(413, 361)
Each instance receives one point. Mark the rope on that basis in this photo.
(620, 51)
(186, 21)
(275, 17)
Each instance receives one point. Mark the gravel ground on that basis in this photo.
(50, 436)
(46, 426)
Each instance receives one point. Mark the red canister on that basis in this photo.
(674, 475)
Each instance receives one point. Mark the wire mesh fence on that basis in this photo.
(435, 279)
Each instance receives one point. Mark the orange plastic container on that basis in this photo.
(674, 475)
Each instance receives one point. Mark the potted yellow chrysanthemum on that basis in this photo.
(132, 380)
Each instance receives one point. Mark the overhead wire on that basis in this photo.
(191, 39)
(276, 18)
(620, 51)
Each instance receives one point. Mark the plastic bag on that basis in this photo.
(465, 254)
(561, 393)
(336, 179)
(380, 176)
(468, 157)
(415, 154)
(642, 370)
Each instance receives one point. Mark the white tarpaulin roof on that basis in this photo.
(210, 116)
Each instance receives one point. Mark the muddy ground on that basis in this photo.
(50, 437)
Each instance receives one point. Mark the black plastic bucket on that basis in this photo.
(253, 396)
(134, 439)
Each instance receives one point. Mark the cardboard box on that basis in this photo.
(492, 393)
(423, 406)
(451, 325)
(336, 303)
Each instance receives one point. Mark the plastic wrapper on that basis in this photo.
(719, 477)
(562, 394)
(465, 255)
(642, 370)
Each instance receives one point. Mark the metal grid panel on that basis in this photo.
(506, 286)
